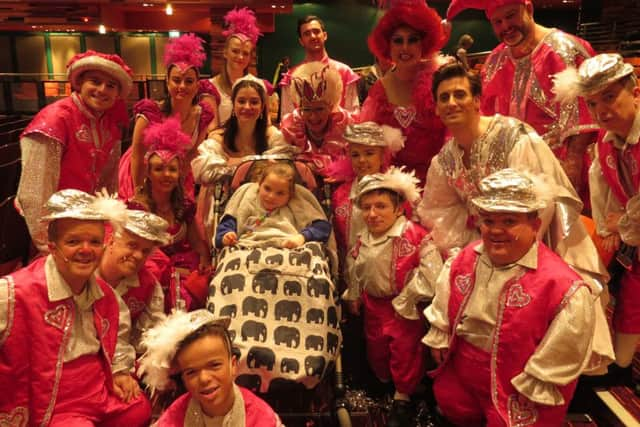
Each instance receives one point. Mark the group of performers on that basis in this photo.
(456, 208)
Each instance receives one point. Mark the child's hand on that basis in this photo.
(230, 239)
(611, 222)
(294, 242)
(354, 307)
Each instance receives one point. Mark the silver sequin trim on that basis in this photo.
(66, 334)
(11, 294)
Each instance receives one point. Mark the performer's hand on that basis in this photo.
(230, 239)
(611, 223)
(439, 354)
(611, 243)
(126, 387)
(294, 242)
(354, 307)
(204, 266)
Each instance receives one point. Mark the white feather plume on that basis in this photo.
(160, 344)
(394, 138)
(403, 182)
(111, 207)
(566, 85)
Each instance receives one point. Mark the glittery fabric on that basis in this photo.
(529, 97)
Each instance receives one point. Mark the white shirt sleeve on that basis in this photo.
(563, 353)
(437, 313)
(124, 355)
(41, 157)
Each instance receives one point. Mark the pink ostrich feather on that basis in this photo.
(166, 139)
(242, 22)
(186, 49)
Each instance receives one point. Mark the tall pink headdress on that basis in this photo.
(242, 23)
(166, 139)
(185, 52)
(489, 6)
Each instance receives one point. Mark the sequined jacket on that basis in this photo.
(521, 87)
(528, 305)
(32, 345)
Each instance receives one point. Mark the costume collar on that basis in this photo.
(196, 417)
(632, 139)
(58, 289)
(529, 260)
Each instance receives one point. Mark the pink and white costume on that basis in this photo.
(529, 97)
(614, 180)
(75, 342)
(150, 111)
(320, 154)
(424, 131)
(66, 145)
(247, 410)
(349, 99)
(510, 143)
(379, 269)
(506, 331)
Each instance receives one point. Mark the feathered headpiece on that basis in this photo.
(394, 179)
(114, 209)
(316, 81)
(185, 52)
(415, 14)
(242, 23)
(594, 74)
(371, 133)
(166, 139)
(161, 344)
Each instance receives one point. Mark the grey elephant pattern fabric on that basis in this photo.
(284, 320)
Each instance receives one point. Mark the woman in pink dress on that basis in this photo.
(162, 193)
(182, 57)
(409, 35)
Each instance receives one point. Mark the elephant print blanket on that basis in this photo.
(284, 319)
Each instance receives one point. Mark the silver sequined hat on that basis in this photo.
(509, 190)
(375, 135)
(161, 343)
(598, 72)
(594, 75)
(394, 179)
(75, 204)
(147, 225)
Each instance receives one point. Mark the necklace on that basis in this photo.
(252, 227)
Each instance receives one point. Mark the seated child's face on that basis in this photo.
(365, 159)
(379, 212)
(207, 370)
(274, 192)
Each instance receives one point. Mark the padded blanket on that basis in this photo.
(285, 322)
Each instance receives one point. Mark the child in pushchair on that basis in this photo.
(274, 278)
(273, 212)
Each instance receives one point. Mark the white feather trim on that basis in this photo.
(394, 138)
(566, 85)
(111, 207)
(403, 182)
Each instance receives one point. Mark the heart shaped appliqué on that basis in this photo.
(522, 412)
(518, 297)
(405, 115)
(463, 283)
(57, 317)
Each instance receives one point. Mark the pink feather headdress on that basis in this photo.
(166, 139)
(242, 23)
(185, 52)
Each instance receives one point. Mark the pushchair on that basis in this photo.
(285, 315)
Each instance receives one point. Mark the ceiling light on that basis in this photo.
(174, 33)
(102, 29)
(168, 10)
